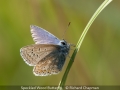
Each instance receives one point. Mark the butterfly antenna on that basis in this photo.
(66, 29)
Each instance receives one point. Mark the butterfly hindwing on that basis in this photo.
(52, 64)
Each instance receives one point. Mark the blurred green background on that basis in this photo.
(97, 62)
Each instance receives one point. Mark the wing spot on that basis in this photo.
(37, 55)
(43, 58)
(45, 49)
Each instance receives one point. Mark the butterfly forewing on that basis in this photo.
(32, 54)
(41, 36)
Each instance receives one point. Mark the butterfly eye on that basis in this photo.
(63, 43)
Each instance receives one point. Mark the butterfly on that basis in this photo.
(47, 55)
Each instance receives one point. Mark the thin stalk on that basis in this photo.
(63, 81)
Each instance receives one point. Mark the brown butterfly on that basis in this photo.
(47, 55)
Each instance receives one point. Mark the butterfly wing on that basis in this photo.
(46, 59)
(32, 54)
(41, 36)
(52, 64)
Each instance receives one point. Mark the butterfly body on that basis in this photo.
(47, 55)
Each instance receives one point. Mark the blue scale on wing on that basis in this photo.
(41, 36)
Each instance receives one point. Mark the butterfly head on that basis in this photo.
(65, 47)
(64, 43)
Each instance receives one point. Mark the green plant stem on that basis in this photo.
(102, 6)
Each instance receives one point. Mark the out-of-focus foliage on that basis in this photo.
(98, 61)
